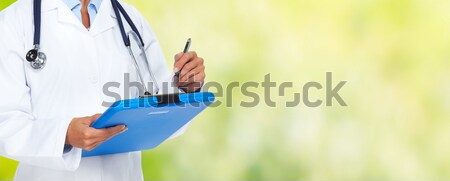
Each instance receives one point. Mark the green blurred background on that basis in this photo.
(393, 53)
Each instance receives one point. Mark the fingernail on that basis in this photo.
(124, 129)
(175, 70)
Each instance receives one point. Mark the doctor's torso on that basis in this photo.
(79, 63)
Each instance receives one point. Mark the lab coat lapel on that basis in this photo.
(104, 20)
(64, 14)
(48, 5)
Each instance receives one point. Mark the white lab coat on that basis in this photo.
(36, 106)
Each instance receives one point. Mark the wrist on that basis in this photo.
(67, 142)
(68, 132)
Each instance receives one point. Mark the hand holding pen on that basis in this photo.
(189, 70)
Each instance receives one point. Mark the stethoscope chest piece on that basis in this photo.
(36, 58)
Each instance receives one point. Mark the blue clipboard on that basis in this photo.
(150, 120)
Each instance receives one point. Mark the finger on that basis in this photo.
(192, 87)
(194, 73)
(108, 132)
(185, 87)
(197, 78)
(191, 66)
(86, 120)
(96, 134)
(178, 56)
(185, 58)
(90, 119)
(100, 140)
(184, 83)
(96, 116)
(200, 77)
(93, 146)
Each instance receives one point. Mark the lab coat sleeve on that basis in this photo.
(158, 62)
(23, 137)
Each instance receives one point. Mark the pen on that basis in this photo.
(188, 45)
(186, 49)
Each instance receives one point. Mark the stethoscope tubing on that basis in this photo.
(37, 22)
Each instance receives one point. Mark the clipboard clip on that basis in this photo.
(165, 98)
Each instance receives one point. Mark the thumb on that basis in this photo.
(112, 131)
(92, 119)
(96, 116)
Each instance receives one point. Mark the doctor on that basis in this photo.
(45, 113)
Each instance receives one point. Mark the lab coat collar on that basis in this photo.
(72, 3)
(64, 14)
(48, 5)
(103, 21)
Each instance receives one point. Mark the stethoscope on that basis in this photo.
(38, 58)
